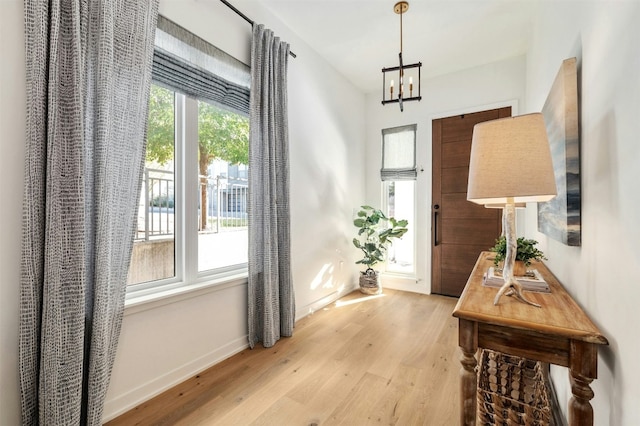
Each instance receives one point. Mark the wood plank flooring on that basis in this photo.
(390, 359)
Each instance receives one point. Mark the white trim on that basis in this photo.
(322, 302)
(404, 283)
(190, 191)
(165, 296)
(179, 185)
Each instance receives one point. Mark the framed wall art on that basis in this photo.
(560, 217)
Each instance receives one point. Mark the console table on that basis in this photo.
(557, 333)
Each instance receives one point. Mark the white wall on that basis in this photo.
(166, 342)
(476, 89)
(602, 274)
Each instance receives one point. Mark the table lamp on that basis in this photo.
(511, 164)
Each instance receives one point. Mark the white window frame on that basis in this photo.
(412, 228)
(186, 277)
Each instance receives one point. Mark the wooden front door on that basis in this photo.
(460, 229)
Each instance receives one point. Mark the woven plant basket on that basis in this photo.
(369, 282)
(511, 391)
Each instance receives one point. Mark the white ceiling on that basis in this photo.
(360, 37)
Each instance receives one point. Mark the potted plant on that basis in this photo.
(527, 251)
(375, 234)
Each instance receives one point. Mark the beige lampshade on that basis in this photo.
(511, 161)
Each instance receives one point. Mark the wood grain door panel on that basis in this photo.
(470, 231)
(459, 127)
(457, 264)
(455, 180)
(460, 229)
(451, 256)
(455, 279)
(456, 154)
(457, 207)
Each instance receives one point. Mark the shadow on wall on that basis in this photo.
(607, 355)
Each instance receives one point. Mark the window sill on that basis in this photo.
(135, 304)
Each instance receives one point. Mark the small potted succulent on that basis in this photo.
(527, 251)
(375, 234)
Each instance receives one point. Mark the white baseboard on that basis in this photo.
(322, 302)
(398, 282)
(127, 401)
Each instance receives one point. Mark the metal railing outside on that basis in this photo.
(226, 205)
(156, 209)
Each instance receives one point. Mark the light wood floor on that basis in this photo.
(389, 359)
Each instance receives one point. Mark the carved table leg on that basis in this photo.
(467, 334)
(582, 370)
(580, 410)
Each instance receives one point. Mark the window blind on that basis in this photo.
(399, 153)
(188, 64)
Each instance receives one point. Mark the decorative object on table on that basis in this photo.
(530, 281)
(399, 72)
(375, 234)
(526, 252)
(511, 390)
(510, 163)
(560, 217)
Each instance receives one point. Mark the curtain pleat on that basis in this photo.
(88, 72)
(271, 304)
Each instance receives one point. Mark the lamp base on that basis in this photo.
(511, 286)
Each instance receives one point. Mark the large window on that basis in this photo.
(192, 220)
(398, 175)
(214, 158)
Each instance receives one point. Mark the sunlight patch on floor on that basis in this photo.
(341, 303)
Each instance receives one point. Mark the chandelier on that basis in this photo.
(400, 73)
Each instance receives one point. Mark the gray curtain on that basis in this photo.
(88, 72)
(271, 300)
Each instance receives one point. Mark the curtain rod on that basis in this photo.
(246, 18)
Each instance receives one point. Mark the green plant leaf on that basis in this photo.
(526, 250)
(377, 230)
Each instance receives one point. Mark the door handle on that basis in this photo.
(435, 225)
